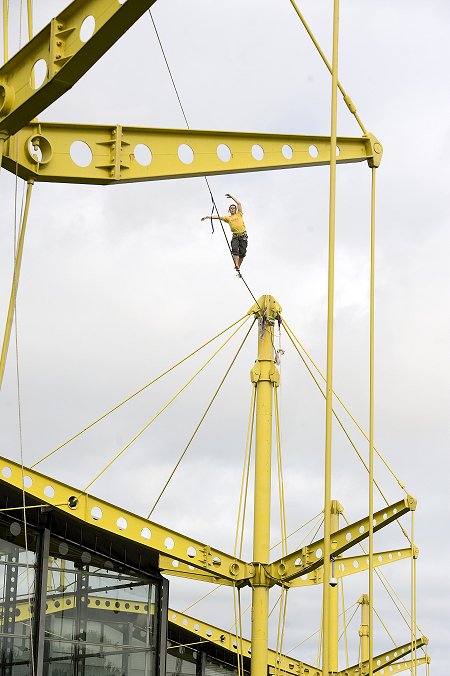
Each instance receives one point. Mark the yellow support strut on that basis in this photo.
(265, 377)
(15, 283)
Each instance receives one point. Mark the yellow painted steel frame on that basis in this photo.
(67, 601)
(64, 53)
(352, 565)
(42, 151)
(228, 640)
(310, 557)
(109, 518)
(384, 660)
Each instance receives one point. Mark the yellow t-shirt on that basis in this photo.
(236, 223)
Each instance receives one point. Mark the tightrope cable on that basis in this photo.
(213, 202)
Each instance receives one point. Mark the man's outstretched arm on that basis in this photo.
(216, 218)
(238, 204)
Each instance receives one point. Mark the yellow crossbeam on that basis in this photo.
(64, 602)
(228, 640)
(351, 565)
(310, 557)
(105, 154)
(63, 52)
(111, 519)
(384, 660)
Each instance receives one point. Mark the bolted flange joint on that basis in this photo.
(261, 577)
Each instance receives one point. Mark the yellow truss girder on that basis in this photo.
(351, 565)
(64, 602)
(116, 154)
(228, 640)
(111, 519)
(66, 57)
(170, 566)
(310, 557)
(186, 557)
(384, 660)
(203, 630)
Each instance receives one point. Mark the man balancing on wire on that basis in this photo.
(239, 240)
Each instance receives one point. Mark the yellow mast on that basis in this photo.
(265, 376)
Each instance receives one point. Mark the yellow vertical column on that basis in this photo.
(336, 509)
(264, 376)
(330, 337)
(364, 628)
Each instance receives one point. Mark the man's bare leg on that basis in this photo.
(237, 262)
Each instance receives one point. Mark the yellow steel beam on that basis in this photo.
(107, 517)
(381, 662)
(310, 557)
(350, 565)
(170, 566)
(62, 54)
(203, 630)
(104, 154)
(228, 640)
(64, 602)
(220, 637)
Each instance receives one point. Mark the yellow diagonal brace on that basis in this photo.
(351, 565)
(227, 640)
(64, 57)
(407, 665)
(311, 557)
(115, 154)
(112, 519)
(385, 659)
(170, 566)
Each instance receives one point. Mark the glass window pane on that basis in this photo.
(17, 589)
(99, 619)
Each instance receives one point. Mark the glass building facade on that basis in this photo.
(65, 610)
(77, 600)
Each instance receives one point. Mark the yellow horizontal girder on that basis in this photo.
(351, 565)
(383, 661)
(228, 640)
(104, 154)
(62, 54)
(170, 566)
(310, 557)
(205, 631)
(120, 522)
(65, 602)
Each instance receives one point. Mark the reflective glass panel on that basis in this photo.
(100, 619)
(17, 589)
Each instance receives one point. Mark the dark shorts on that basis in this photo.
(239, 245)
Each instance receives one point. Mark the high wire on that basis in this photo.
(213, 201)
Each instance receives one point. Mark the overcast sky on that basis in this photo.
(120, 282)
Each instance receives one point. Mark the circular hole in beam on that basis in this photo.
(81, 153)
(185, 153)
(87, 28)
(313, 151)
(142, 154)
(257, 152)
(223, 152)
(287, 152)
(38, 73)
